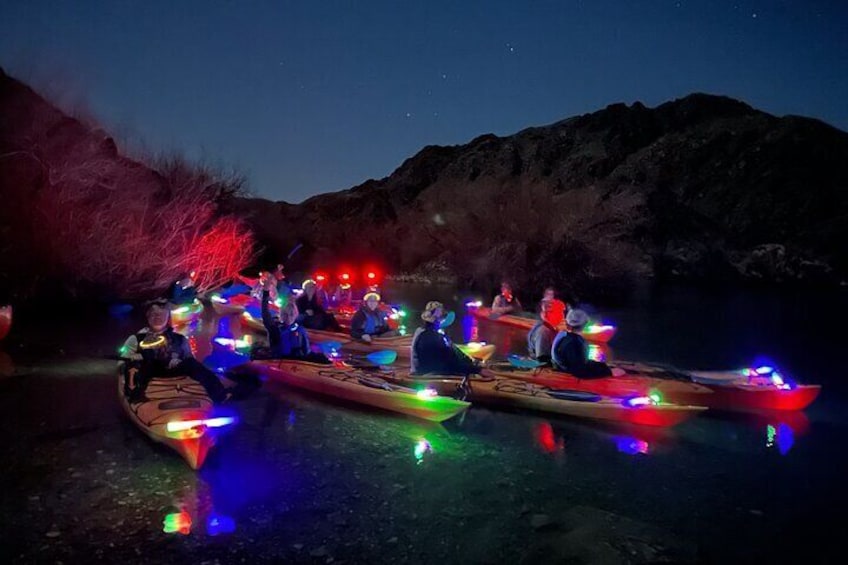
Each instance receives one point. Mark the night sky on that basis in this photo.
(316, 96)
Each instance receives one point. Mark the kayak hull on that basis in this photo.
(595, 334)
(641, 379)
(512, 393)
(174, 399)
(345, 382)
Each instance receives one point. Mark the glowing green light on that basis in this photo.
(218, 298)
(771, 433)
(655, 396)
(426, 394)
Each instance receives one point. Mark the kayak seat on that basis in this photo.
(179, 404)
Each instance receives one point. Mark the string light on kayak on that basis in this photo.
(766, 374)
(218, 298)
(422, 447)
(595, 353)
(177, 522)
(427, 394)
(473, 304)
(597, 328)
(639, 401)
(196, 428)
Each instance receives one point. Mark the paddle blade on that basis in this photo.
(449, 318)
(385, 357)
(331, 348)
(520, 362)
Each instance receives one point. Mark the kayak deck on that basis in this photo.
(168, 400)
(516, 393)
(349, 383)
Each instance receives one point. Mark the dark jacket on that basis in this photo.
(571, 355)
(540, 341)
(285, 341)
(433, 352)
(367, 321)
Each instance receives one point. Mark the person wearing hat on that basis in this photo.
(433, 351)
(570, 352)
(370, 320)
(167, 354)
(312, 313)
(541, 337)
(506, 302)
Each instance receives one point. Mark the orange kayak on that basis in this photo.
(178, 413)
(727, 391)
(515, 393)
(597, 333)
(349, 383)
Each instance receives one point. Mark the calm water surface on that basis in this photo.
(302, 479)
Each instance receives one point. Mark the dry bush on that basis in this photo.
(114, 228)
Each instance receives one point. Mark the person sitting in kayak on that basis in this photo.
(570, 352)
(370, 321)
(433, 351)
(506, 302)
(549, 295)
(540, 339)
(158, 351)
(312, 313)
(286, 337)
(183, 291)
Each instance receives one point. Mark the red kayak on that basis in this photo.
(730, 391)
(5, 320)
(598, 333)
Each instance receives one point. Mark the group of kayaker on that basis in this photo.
(566, 350)
(158, 350)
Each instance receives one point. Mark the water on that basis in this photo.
(302, 479)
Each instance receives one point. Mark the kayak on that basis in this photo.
(5, 321)
(734, 390)
(346, 382)
(186, 313)
(598, 333)
(515, 393)
(178, 413)
(718, 391)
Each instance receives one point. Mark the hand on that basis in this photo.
(267, 283)
(366, 337)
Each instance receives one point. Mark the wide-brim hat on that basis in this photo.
(429, 309)
(576, 318)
